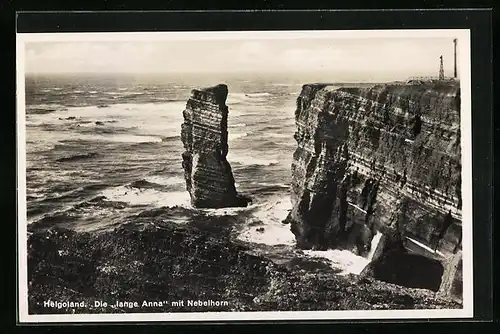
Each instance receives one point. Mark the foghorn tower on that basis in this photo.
(455, 59)
(441, 69)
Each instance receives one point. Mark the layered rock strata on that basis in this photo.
(209, 178)
(384, 159)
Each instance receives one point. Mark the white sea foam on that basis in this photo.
(165, 181)
(345, 260)
(154, 119)
(258, 94)
(225, 211)
(131, 93)
(233, 136)
(237, 125)
(279, 135)
(273, 234)
(237, 98)
(136, 196)
(125, 138)
(35, 146)
(283, 84)
(271, 215)
(249, 160)
(267, 184)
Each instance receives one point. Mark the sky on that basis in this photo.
(383, 58)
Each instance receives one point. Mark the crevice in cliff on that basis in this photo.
(417, 126)
(401, 268)
(440, 230)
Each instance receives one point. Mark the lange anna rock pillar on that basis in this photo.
(208, 174)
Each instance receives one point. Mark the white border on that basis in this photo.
(463, 36)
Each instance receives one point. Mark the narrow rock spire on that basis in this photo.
(208, 175)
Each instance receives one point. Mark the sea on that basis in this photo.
(101, 148)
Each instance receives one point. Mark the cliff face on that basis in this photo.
(209, 178)
(381, 159)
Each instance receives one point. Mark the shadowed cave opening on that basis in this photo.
(409, 270)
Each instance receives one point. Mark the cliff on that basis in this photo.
(209, 178)
(384, 159)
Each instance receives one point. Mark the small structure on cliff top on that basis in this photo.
(418, 80)
(441, 69)
(455, 58)
(208, 175)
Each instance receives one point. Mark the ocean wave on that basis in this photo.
(97, 208)
(239, 98)
(233, 136)
(92, 92)
(279, 135)
(225, 211)
(128, 138)
(165, 181)
(167, 138)
(274, 210)
(252, 161)
(237, 125)
(167, 99)
(132, 93)
(346, 261)
(75, 157)
(41, 109)
(258, 94)
(136, 196)
(39, 147)
(123, 93)
(273, 185)
(266, 226)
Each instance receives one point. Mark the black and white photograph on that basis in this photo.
(238, 175)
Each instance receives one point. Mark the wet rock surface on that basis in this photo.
(154, 260)
(208, 174)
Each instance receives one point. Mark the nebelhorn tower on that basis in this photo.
(455, 58)
(441, 69)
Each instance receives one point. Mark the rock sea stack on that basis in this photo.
(208, 174)
(382, 159)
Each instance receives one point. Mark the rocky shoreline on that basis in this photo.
(151, 259)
